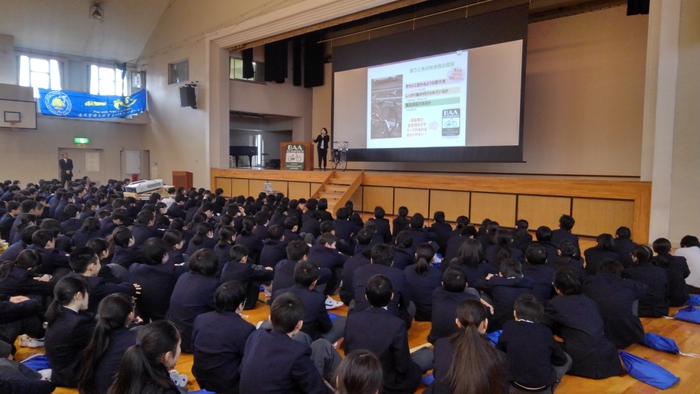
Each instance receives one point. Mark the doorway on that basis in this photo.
(86, 162)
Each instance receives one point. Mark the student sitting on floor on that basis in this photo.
(455, 243)
(360, 372)
(505, 288)
(380, 332)
(274, 362)
(251, 276)
(605, 249)
(203, 239)
(536, 269)
(219, 340)
(676, 269)
(403, 256)
(566, 223)
(364, 237)
(251, 241)
(568, 258)
(274, 248)
(655, 302)
(225, 240)
(445, 301)
(400, 223)
(126, 252)
(284, 270)
(383, 227)
(615, 298)
(576, 319)
(175, 242)
(535, 361)
(421, 280)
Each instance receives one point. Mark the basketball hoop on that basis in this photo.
(13, 125)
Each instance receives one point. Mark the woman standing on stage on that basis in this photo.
(322, 140)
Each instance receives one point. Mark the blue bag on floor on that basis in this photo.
(428, 379)
(37, 362)
(663, 344)
(689, 313)
(493, 337)
(648, 372)
(333, 316)
(694, 300)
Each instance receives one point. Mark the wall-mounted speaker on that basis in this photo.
(188, 97)
(637, 7)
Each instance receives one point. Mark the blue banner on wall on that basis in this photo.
(68, 104)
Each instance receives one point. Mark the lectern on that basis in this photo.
(297, 156)
(182, 179)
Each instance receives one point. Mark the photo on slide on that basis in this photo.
(387, 104)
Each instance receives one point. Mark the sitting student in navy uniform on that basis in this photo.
(284, 270)
(53, 262)
(144, 228)
(175, 210)
(250, 240)
(455, 242)
(157, 277)
(126, 252)
(501, 248)
(505, 288)
(419, 233)
(566, 223)
(175, 242)
(291, 229)
(72, 223)
(262, 221)
(442, 230)
(655, 302)
(274, 248)
(8, 219)
(62, 241)
(535, 361)
(540, 273)
(615, 297)
(69, 330)
(576, 319)
(311, 224)
(274, 362)
(317, 322)
(467, 362)
(604, 249)
(12, 251)
(676, 269)
(194, 294)
(364, 237)
(521, 235)
(383, 227)
(17, 277)
(624, 245)
(544, 238)
(421, 280)
(88, 230)
(445, 301)
(327, 256)
(109, 341)
(381, 260)
(377, 330)
(219, 339)
(470, 258)
(251, 276)
(568, 258)
(120, 217)
(85, 263)
(345, 229)
(403, 254)
(401, 222)
(203, 239)
(225, 240)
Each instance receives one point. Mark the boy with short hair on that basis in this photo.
(505, 288)
(249, 275)
(445, 301)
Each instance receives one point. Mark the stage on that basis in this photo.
(599, 206)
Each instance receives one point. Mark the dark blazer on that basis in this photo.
(442, 231)
(157, 284)
(445, 312)
(207, 243)
(677, 270)
(623, 247)
(275, 363)
(261, 231)
(559, 235)
(492, 252)
(254, 245)
(326, 257)
(106, 227)
(347, 293)
(398, 306)
(284, 275)
(71, 226)
(383, 228)
(273, 252)
(521, 242)
(419, 236)
(571, 262)
(51, 259)
(310, 226)
(615, 298)
(655, 302)
(552, 251)
(390, 344)
(80, 238)
(575, 318)
(345, 229)
(403, 257)
(245, 273)
(504, 293)
(219, 341)
(290, 236)
(142, 233)
(594, 256)
(316, 319)
(532, 351)
(120, 340)
(12, 251)
(176, 211)
(543, 276)
(126, 256)
(65, 341)
(193, 295)
(224, 255)
(66, 165)
(420, 290)
(99, 289)
(20, 282)
(326, 141)
(452, 248)
(6, 225)
(399, 224)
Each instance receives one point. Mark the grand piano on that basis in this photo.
(249, 151)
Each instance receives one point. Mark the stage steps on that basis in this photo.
(338, 188)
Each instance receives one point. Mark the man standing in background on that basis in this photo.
(66, 166)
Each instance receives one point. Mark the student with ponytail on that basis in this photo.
(421, 280)
(466, 363)
(676, 268)
(203, 238)
(145, 365)
(69, 330)
(110, 339)
(16, 277)
(250, 240)
(224, 242)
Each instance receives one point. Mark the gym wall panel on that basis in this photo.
(542, 210)
(497, 207)
(374, 196)
(454, 204)
(596, 216)
(416, 200)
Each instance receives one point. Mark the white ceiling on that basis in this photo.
(63, 26)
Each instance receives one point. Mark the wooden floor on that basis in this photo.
(686, 335)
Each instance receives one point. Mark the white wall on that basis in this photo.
(8, 64)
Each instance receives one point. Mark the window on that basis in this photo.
(178, 72)
(39, 73)
(106, 81)
(236, 71)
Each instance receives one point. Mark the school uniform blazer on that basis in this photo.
(290, 236)
(344, 229)
(219, 341)
(521, 242)
(6, 225)
(20, 282)
(552, 251)
(623, 247)
(126, 256)
(65, 341)
(442, 232)
(86, 214)
(383, 228)
(81, 238)
(420, 290)
(398, 306)
(531, 353)
(142, 233)
(274, 363)
(346, 289)
(326, 257)
(71, 226)
(543, 276)
(51, 259)
(272, 253)
(594, 256)
(420, 236)
(325, 215)
(676, 271)
(59, 214)
(106, 227)
(193, 295)
(504, 292)
(402, 257)
(615, 297)
(261, 231)
(106, 369)
(253, 243)
(176, 211)
(399, 224)
(176, 256)
(655, 302)
(576, 319)
(476, 277)
(310, 226)
(385, 335)
(445, 312)
(224, 255)
(245, 273)
(559, 235)
(53, 204)
(12, 251)
(443, 354)
(452, 247)
(316, 319)
(571, 262)
(492, 252)
(207, 243)
(99, 289)
(157, 284)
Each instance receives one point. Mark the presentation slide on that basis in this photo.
(421, 103)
